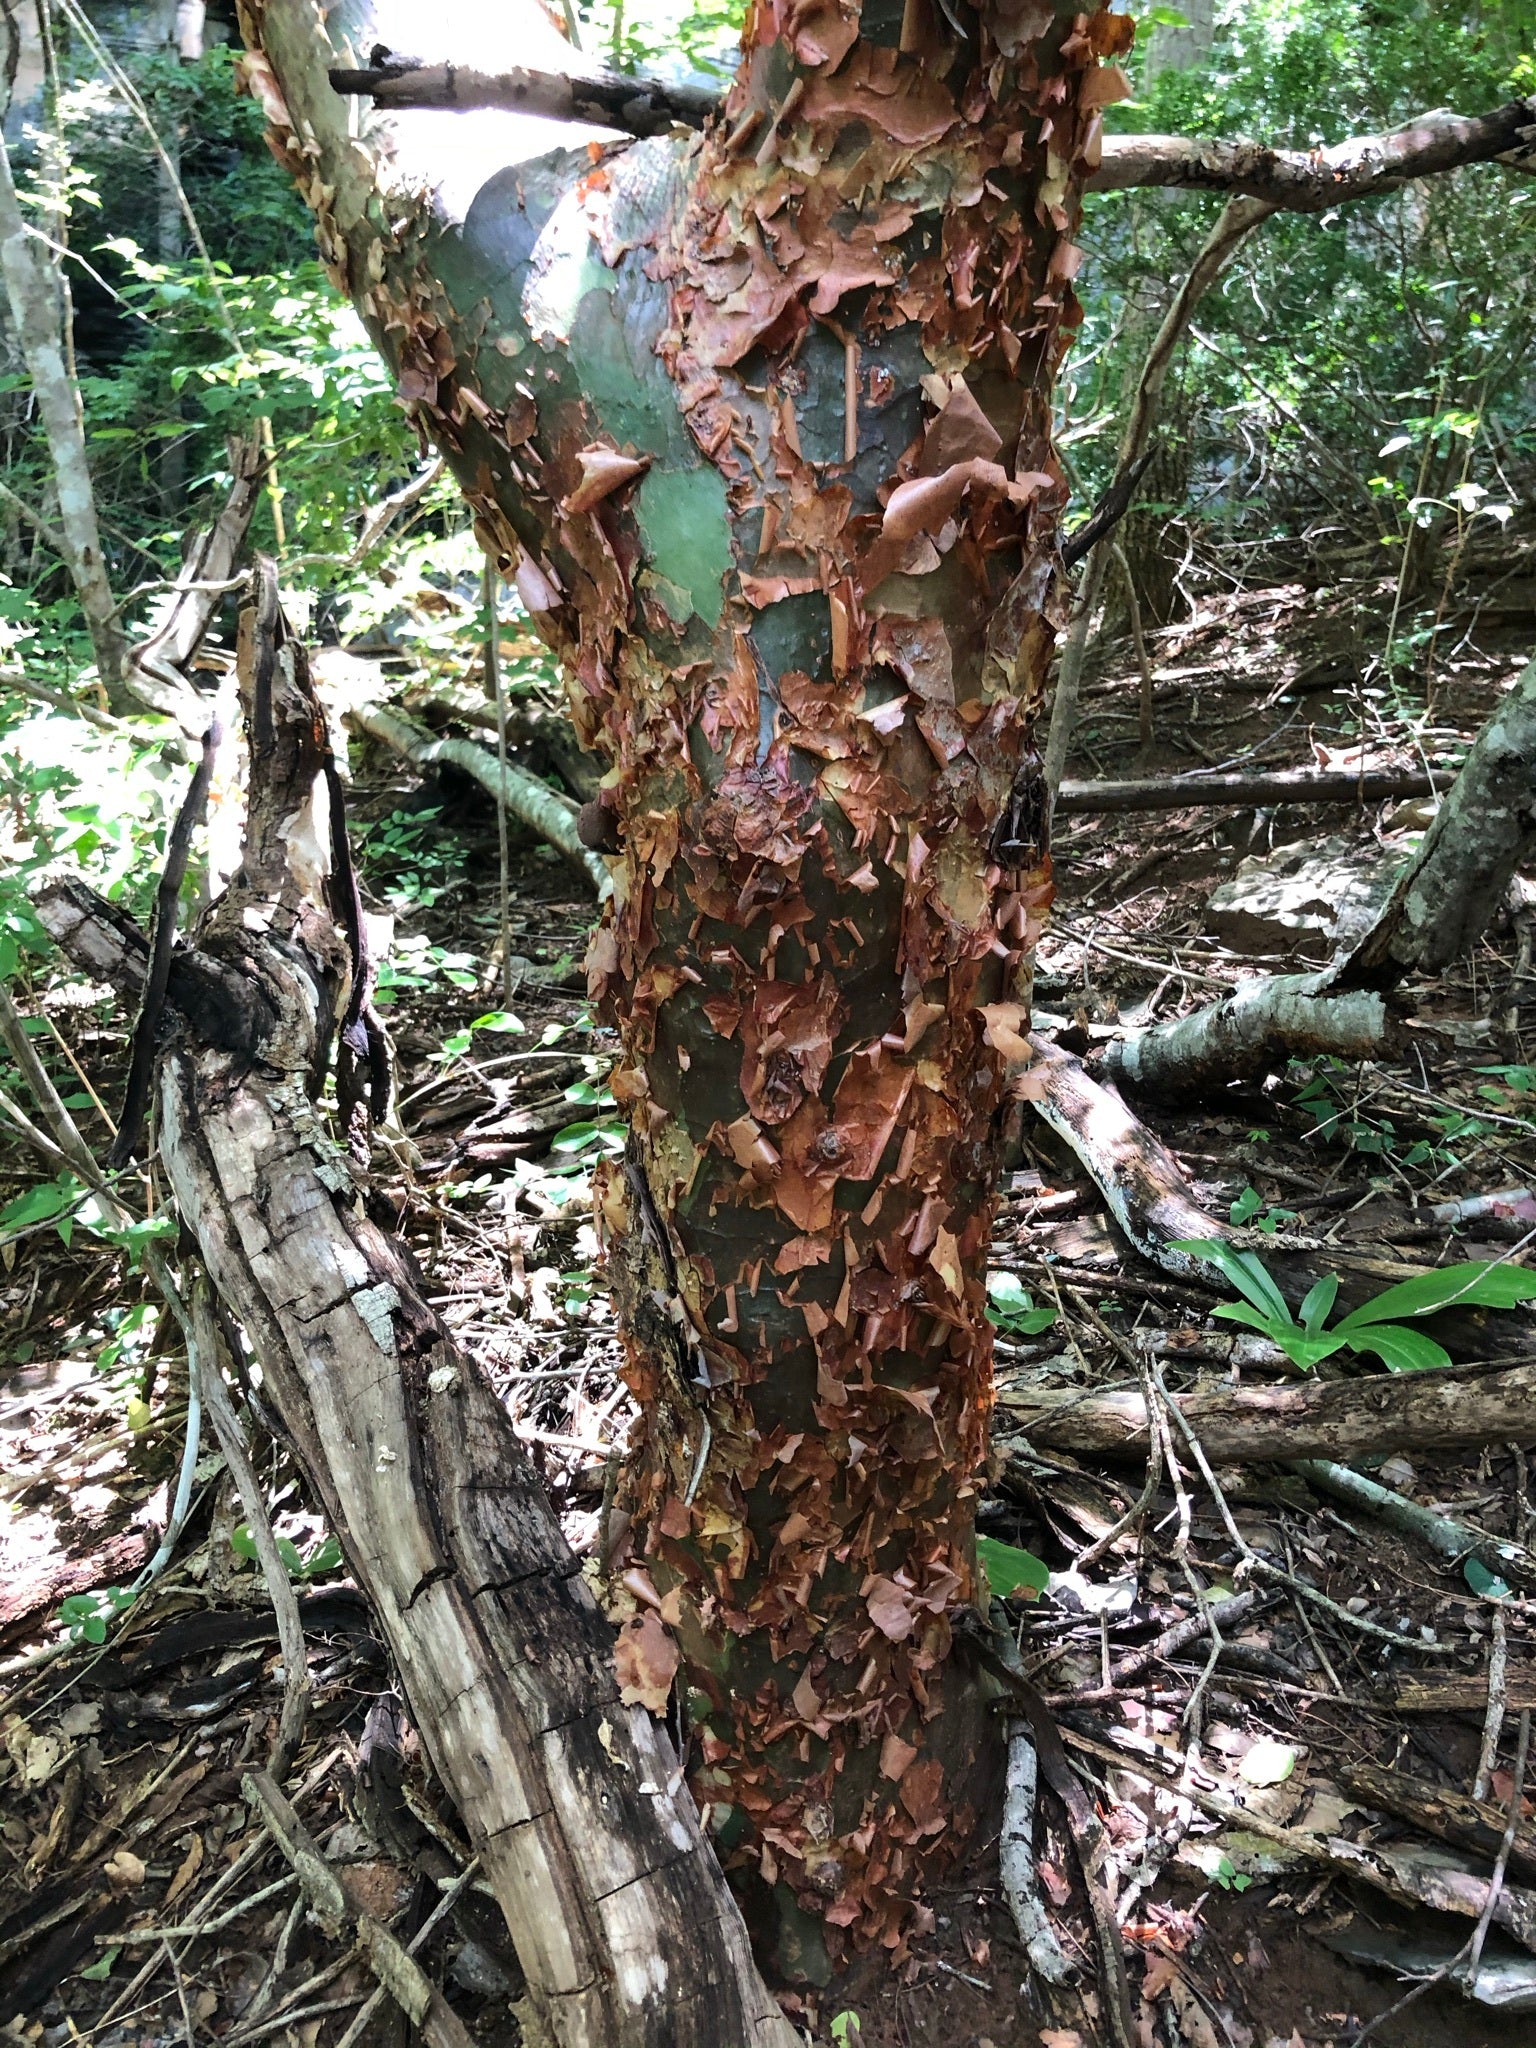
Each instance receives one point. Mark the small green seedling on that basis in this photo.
(1249, 1208)
(1012, 1307)
(1380, 1325)
(86, 1615)
(1008, 1568)
(325, 1557)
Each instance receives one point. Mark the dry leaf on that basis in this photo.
(889, 1610)
(645, 1659)
(603, 471)
(186, 1870)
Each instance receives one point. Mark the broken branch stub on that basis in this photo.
(622, 1921)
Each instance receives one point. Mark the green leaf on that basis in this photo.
(1480, 1283)
(498, 1020)
(1319, 1300)
(243, 1543)
(99, 1971)
(1268, 1762)
(1008, 1567)
(1399, 1348)
(1245, 1271)
(1247, 1205)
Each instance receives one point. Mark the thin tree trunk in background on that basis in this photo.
(767, 452)
(36, 304)
(1239, 217)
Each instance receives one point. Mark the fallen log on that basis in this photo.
(574, 1801)
(1238, 792)
(1451, 1408)
(1255, 1030)
(542, 809)
(1484, 830)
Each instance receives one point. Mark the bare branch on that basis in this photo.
(1310, 181)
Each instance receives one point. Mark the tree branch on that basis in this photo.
(1300, 180)
(1310, 181)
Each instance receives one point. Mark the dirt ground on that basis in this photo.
(1265, 1899)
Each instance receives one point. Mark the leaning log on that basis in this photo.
(573, 1800)
(1483, 831)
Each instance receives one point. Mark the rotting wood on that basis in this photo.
(1339, 1419)
(1441, 1811)
(622, 1921)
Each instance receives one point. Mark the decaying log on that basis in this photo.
(544, 810)
(1237, 792)
(1483, 831)
(574, 1800)
(1256, 1029)
(1340, 1419)
(1438, 1810)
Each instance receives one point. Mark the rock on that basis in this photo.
(1306, 899)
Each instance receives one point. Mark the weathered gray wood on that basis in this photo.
(576, 1804)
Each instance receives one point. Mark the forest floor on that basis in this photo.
(140, 1905)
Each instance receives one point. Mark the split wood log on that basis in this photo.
(1238, 792)
(1339, 1419)
(623, 1924)
(1302, 181)
(544, 810)
(1484, 830)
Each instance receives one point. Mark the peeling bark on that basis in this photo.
(760, 425)
(574, 1801)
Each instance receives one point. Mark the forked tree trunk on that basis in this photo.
(760, 424)
(626, 1932)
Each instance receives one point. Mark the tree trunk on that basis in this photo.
(625, 1930)
(34, 294)
(759, 423)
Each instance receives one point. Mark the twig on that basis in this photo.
(404, 1979)
(1493, 1724)
(492, 585)
(1016, 1858)
(414, 1946)
(146, 1031)
(997, 1652)
(290, 1628)
(1450, 1540)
